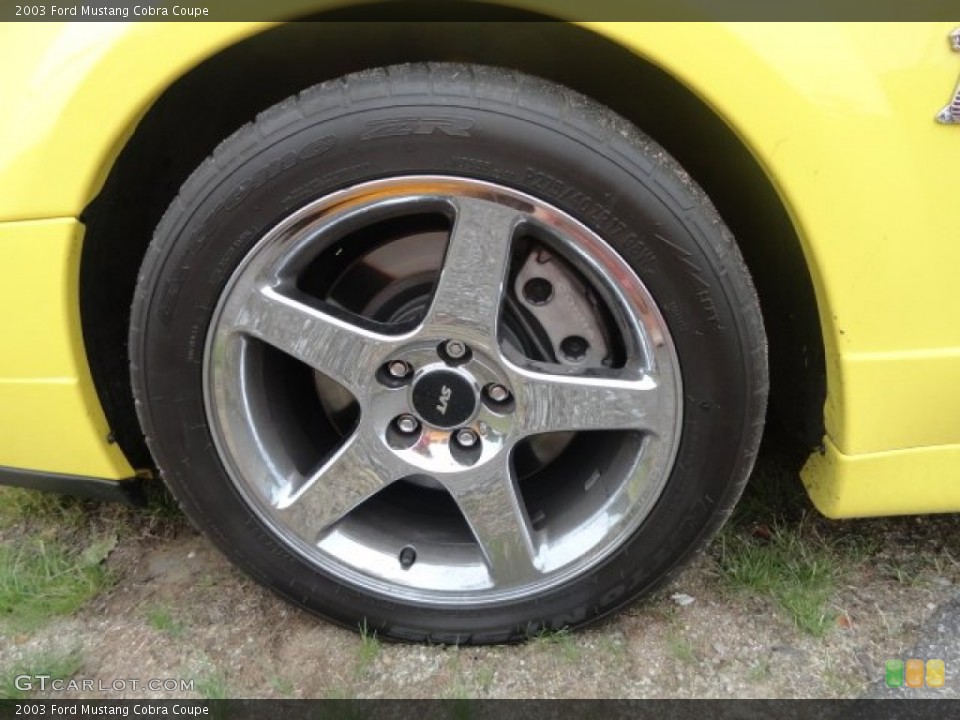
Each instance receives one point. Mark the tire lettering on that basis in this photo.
(395, 127)
(587, 207)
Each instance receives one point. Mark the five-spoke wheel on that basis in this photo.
(447, 400)
(449, 352)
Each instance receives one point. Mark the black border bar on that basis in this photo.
(491, 709)
(476, 10)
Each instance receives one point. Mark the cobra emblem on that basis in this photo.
(950, 115)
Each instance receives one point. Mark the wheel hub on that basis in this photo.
(444, 398)
(445, 415)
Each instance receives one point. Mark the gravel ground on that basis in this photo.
(939, 638)
(177, 609)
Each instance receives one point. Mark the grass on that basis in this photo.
(776, 546)
(458, 690)
(162, 512)
(18, 505)
(53, 548)
(659, 608)
(614, 648)
(915, 565)
(561, 639)
(484, 678)
(339, 691)
(760, 671)
(40, 579)
(800, 574)
(55, 665)
(207, 581)
(24, 509)
(841, 683)
(368, 650)
(212, 685)
(160, 618)
(682, 649)
(282, 686)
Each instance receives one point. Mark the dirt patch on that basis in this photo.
(178, 610)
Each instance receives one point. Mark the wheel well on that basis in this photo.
(207, 104)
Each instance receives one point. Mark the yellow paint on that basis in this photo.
(897, 482)
(50, 417)
(839, 115)
(841, 118)
(73, 93)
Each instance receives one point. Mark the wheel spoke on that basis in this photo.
(346, 353)
(356, 472)
(491, 504)
(467, 298)
(554, 403)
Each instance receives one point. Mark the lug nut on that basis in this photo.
(466, 438)
(397, 369)
(498, 393)
(455, 349)
(407, 424)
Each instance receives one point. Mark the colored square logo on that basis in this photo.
(936, 673)
(914, 674)
(894, 673)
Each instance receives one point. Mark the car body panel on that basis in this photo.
(899, 482)
(50, 416)
(79, 90)
(840, 116)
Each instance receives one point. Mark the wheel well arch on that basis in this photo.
(194, 114)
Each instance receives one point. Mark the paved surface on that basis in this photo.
(939, 638)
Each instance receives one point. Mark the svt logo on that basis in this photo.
(444, 398)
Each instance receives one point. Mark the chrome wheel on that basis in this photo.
(398, 349)
(442, 389)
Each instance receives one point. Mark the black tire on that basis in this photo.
(492, 125)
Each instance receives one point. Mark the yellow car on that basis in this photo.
(463, 329)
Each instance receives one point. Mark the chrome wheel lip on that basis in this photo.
(640, 317)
